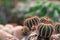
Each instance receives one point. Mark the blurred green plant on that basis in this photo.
(7, 6)
(41, 8)
(46, 8)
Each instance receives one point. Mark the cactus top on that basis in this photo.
(46, 20)
(31, 17)
(31, 21)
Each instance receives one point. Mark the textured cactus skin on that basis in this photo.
(46, 20)
(57, 27)
(32, 21)
(45, 31)
(40, 38)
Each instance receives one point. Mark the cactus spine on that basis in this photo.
(45, 31)
(32, 21)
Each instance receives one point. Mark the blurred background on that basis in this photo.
(15, 11)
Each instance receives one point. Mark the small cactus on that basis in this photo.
(45, 31)
(26, 30)
(31, 21)
(46, 20)
(57, 27)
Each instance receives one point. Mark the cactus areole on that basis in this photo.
(31, 21)
(45, 31)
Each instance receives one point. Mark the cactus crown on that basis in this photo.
(32, 21)
(45, 30)
(57, 27)
(26, 29)
(46, 20)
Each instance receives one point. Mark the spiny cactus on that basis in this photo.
(26, 30)
(31, 21)
(46, 20)
(57, 27)
(45, 31)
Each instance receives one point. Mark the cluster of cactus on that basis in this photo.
(57, 27)
(46, 20)
(45, 31)
(32, 21)
(45, 26)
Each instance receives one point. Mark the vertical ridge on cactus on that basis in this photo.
(45, 31)
(57, 27)
(31, 21)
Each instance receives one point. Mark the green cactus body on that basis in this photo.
(26, 30)
(32, 21)
(57, 28)
(45, 31)
(40, 38)
(46, 20)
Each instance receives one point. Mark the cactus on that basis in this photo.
(57, 27)
(31, 21)
(46, 20)
(26, 30)
(45, 31)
